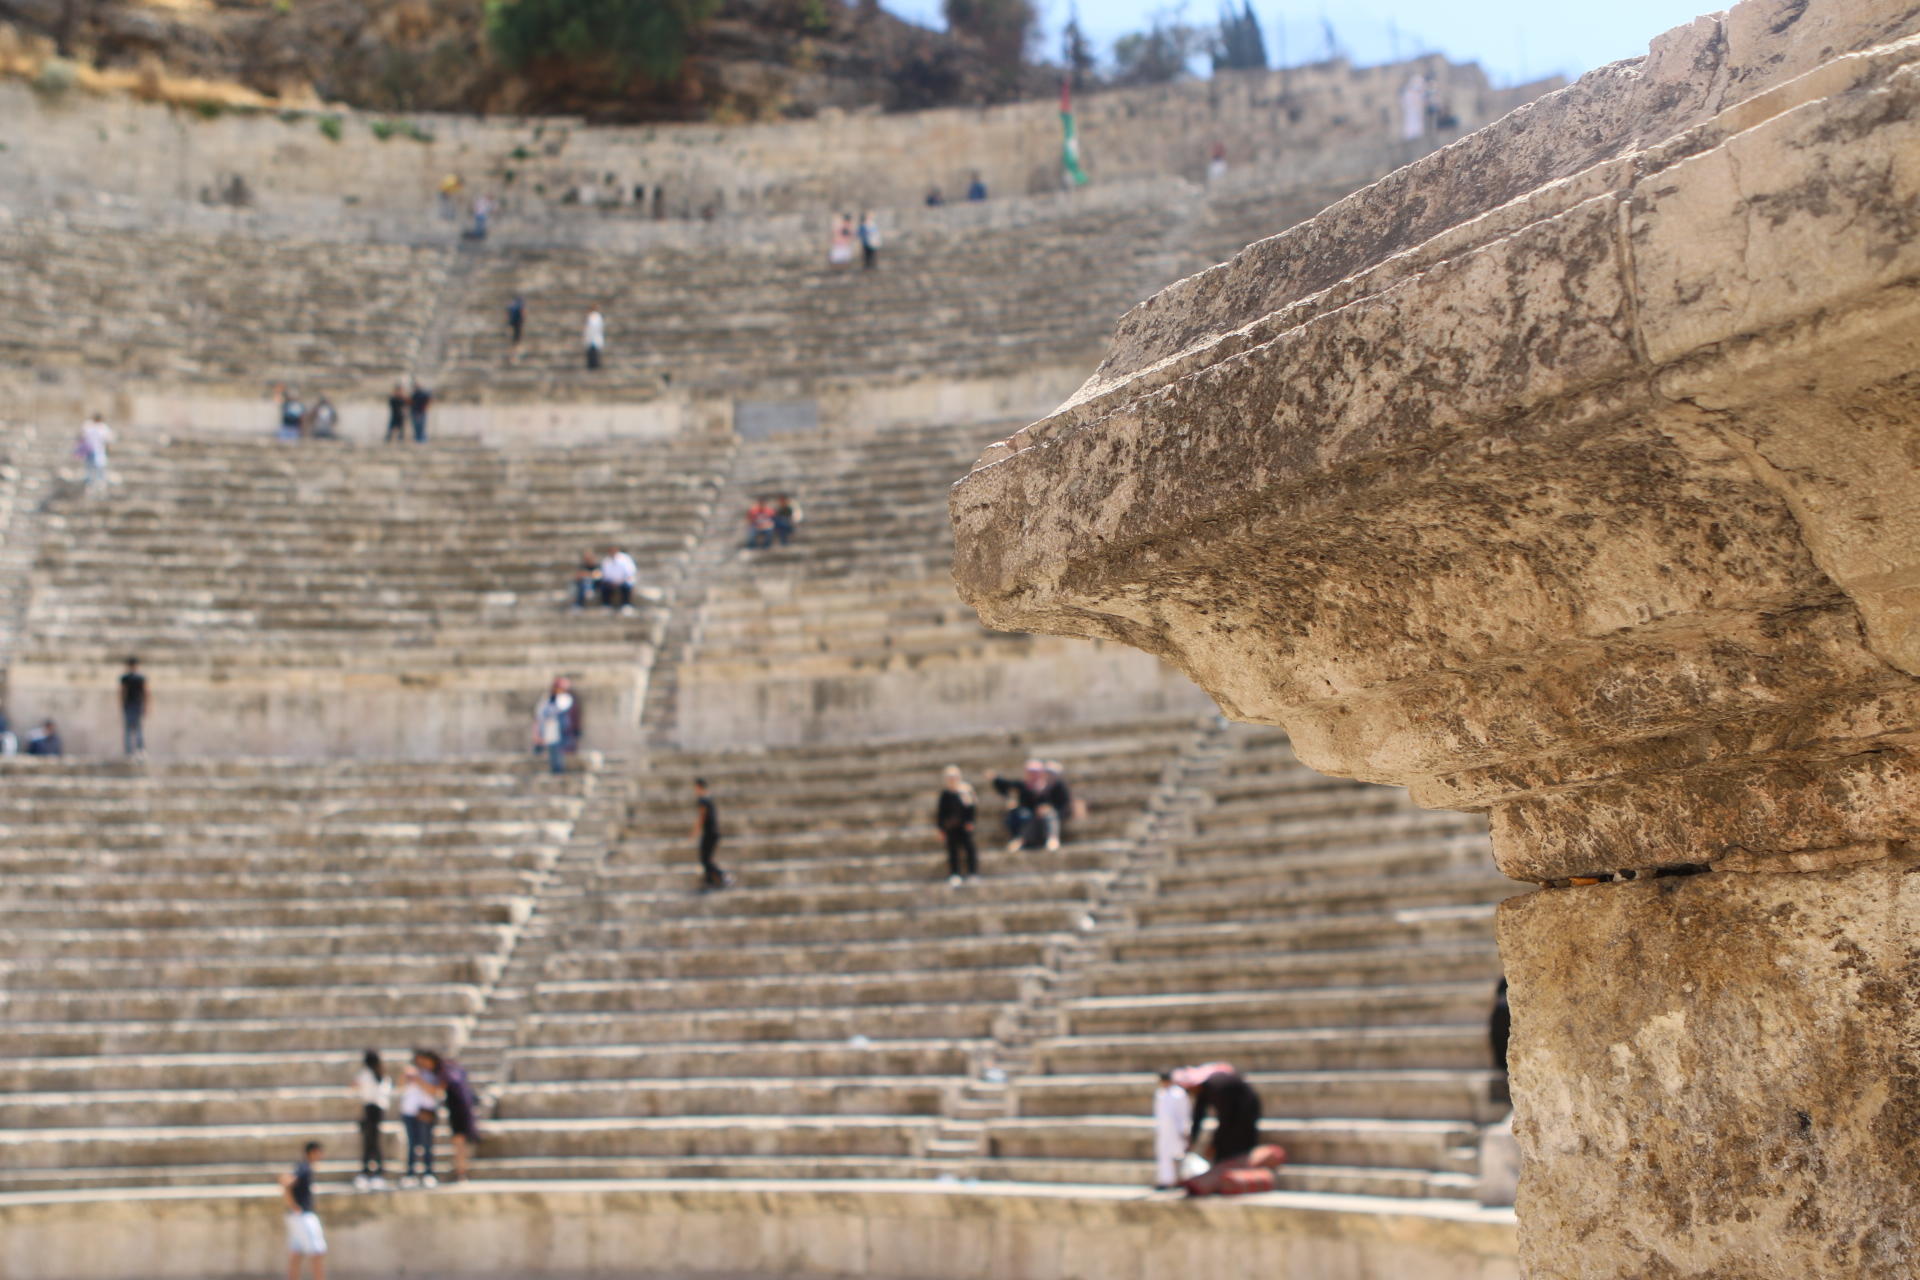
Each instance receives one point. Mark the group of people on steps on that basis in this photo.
(428, 1085)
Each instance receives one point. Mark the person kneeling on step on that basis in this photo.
(1241, 1163)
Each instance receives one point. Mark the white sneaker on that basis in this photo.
(409, 1182)
(361, 1182)
(953, 882)
(429, 1181)
(378, 1183)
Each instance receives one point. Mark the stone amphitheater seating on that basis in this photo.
(231, 310)
(854, 628)
(965, 303)
(341, 599)
(819, 1019)
(1325, 936)
(193, 956)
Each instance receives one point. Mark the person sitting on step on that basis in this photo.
(617, 573)
(1037, 804)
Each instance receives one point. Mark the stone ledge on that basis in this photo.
(907, 1231)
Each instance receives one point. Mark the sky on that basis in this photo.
(1515, 40)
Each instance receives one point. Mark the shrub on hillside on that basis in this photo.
(648, 38)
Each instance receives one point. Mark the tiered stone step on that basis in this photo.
(322, 600)
(201, 989)
(215, 544)
(225, 309)
(1331, 941)
(863, 997)
(965, 302)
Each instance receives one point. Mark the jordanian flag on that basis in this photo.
(1070, 139)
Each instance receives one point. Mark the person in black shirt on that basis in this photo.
(44, 741)
(1038, 805)
(304, 1237)
(397, 414)
(517, 320)
(1218, 1088)
(706, 829)
(417, 406)
(954, 816)
(133, 709)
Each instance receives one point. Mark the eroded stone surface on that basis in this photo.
(1720, 1079)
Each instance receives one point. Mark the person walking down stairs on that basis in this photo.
(706, 829)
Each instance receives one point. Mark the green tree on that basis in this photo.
(1004, 28)
(1238, 42)
(648, 38)
(1157, 55)
(1076, 52)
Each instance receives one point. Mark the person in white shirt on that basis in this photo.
(617, 575)
(595, 336)
(420, 1091)
(375, 1092)
(91, 448)
(1172, 1114)
(554, 725)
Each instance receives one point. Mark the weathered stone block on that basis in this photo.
(1719, 1075)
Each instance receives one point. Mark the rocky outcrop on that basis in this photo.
(1567, 475)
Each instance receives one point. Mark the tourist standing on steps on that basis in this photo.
(955, 813)
(594, 334)
(706, 829)
(375, 1092)
(516, 323)
(463, 1109)
(869, 239)
(553, 722)
(417, 408)
(133, 710)
(397, 414)
(977, 189)
(304, 1237)
(293, 414)
(420, 1092)
(91, 449)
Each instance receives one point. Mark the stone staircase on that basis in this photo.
(829, 1016)
(1328, 938)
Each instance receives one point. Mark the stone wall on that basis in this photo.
(97, 157)
(773, 1231)
(833, 700)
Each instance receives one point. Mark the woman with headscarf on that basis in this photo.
(1236, 1146)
